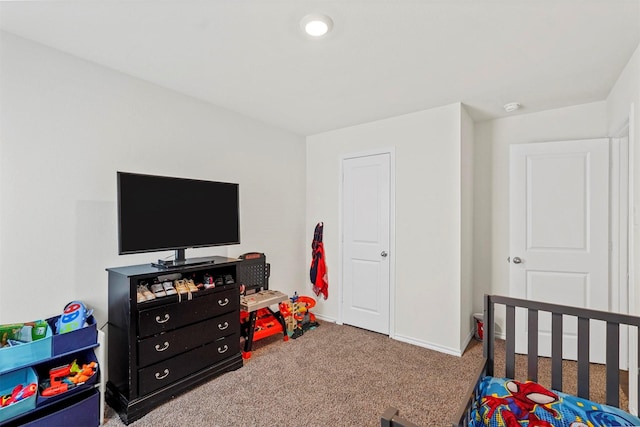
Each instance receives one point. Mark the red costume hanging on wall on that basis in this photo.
(318, 270)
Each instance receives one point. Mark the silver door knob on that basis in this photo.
(516, 260)
(383, 254)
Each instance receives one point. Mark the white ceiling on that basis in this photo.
(382, 59)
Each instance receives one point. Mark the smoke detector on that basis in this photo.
(512, 106)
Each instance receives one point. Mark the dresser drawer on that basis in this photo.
(168, 344)
(175, 315)
(164, 373)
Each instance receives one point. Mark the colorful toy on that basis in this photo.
(20, 333)
(286, 309)
(303, 319)
(10, 332)
(57, 389)
(19, 392)
(67, 377)
(522, 401)
(302, 306)
(74, 317)
(38, 329)
(84, 373)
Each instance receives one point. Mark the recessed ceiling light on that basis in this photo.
(512, 106)
(316, 25)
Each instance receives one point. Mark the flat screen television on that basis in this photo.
(157, 213)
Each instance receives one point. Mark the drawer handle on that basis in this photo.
(224, 326)
(223, 349)
(163, 348)
(161, 377)
(223, 303)
(165, 320)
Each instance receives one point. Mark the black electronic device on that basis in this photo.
(157, 213)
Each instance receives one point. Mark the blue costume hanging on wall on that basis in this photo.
(318, 270)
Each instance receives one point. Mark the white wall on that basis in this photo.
(466, 245)
(491, 212)
(625, 92)
(623, 99)
(68, 125)
(428, 231)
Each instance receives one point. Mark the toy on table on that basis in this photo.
(19, 392)
(67, 377)
(73, 318)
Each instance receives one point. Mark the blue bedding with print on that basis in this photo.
(507, 403)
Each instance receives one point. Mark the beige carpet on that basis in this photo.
(332, 376)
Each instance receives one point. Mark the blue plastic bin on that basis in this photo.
(8, 382)
(25, 354)
(86, 412)
(42, 371)
(72, 341)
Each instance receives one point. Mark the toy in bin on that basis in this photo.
(73, 318)
(67, 377)
(20, 333)
(19, 392)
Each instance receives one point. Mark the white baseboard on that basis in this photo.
(467, 340)
(325, 318)
(427, 345)
(414, 341)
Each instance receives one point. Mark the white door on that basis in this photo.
(366, 230)
(559, 228)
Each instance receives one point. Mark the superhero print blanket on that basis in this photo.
(507, 403)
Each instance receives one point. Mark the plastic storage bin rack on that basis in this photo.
(25, 354)
(8, 382)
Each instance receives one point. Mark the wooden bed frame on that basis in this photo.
(613, 322)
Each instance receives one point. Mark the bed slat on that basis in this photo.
(556, 351)
(613, 359)
(532, 345)
(510, 347)
(583, 357)
(488, 345)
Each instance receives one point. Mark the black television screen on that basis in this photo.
(158, 213)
